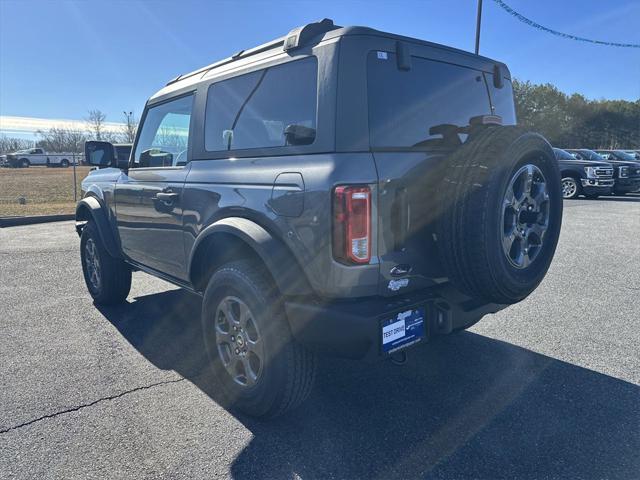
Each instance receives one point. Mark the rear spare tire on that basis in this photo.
(501, 214)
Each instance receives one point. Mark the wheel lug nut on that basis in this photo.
(237, 351)
(233, 339)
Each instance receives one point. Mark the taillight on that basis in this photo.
(352, 224)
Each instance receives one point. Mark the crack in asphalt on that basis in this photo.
(80, 407)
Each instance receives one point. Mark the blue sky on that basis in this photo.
(60, 58)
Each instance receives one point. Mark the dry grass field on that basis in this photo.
(46, 191)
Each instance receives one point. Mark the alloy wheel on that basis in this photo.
(240, 345)
(569, 187)
(92, 261)
(525, 216)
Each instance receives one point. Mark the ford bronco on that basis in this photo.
(337, 190)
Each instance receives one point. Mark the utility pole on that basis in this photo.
(478, 20)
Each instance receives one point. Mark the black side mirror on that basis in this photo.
(100, 154)
(299, 135)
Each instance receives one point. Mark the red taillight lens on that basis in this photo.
(352, 224)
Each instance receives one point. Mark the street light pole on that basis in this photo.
(478, 20)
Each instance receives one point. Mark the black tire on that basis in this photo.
(64, 163)
(286, 373)
(570, 187)
(473, 220)
(24, 163)
(114, 274)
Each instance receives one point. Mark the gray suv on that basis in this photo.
(337, 190)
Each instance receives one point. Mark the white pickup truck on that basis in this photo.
(37, 156)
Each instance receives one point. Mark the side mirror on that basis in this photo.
(100, 154)
(299, 135)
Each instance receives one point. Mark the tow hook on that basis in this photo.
(398, 358)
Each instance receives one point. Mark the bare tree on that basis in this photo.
(62, 140)
(95, 124)
(12, 144)
(129, 128)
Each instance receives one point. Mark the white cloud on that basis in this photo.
(29, 125)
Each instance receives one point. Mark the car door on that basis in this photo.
(37, 157)
(148, 196)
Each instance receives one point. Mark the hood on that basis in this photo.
(585, 163)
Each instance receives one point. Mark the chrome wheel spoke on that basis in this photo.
(528, 182)
(507, 241)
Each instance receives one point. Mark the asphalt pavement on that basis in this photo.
(548, 388)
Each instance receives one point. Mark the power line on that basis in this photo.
(533, 24)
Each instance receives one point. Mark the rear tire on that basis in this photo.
(262, 369)
(501, 214)
(108, 279)
(64, 163)
(24, 163)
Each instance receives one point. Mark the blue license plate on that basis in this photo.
(403, 329)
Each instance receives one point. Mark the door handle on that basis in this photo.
(167, 197)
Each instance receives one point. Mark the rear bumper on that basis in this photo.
(353, 329)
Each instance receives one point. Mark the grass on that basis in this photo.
(46, 191)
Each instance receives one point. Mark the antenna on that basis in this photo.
(478, 20)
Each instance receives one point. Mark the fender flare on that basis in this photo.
(90, 208)
(276, 256)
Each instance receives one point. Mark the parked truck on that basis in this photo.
(38, 156)
(583, 177)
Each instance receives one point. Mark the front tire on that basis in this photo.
(261, 367)
(570, 188)
(108, 279)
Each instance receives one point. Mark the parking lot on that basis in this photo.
(547, 388)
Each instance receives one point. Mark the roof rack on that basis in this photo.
(295, 38)
(301, 35)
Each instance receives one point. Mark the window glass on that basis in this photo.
(164, 137)
(422, 106)
(274, 107)
(123, 152)
(502, 99)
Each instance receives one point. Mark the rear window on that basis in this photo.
(274, 107)
(420, 107)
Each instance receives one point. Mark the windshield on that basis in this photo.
(591, 155)
(563, 154)
(624, 155)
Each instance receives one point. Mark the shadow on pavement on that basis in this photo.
(463, 406)
(626, 198)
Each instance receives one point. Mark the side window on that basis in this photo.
(164, 138)
(274, 107)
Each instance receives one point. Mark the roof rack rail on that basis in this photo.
(294, 39)
(301, 35)
(233, 58)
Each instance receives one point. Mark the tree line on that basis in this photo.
(573, 121)
(58, 139)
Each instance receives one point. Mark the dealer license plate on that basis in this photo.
(403, 329)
